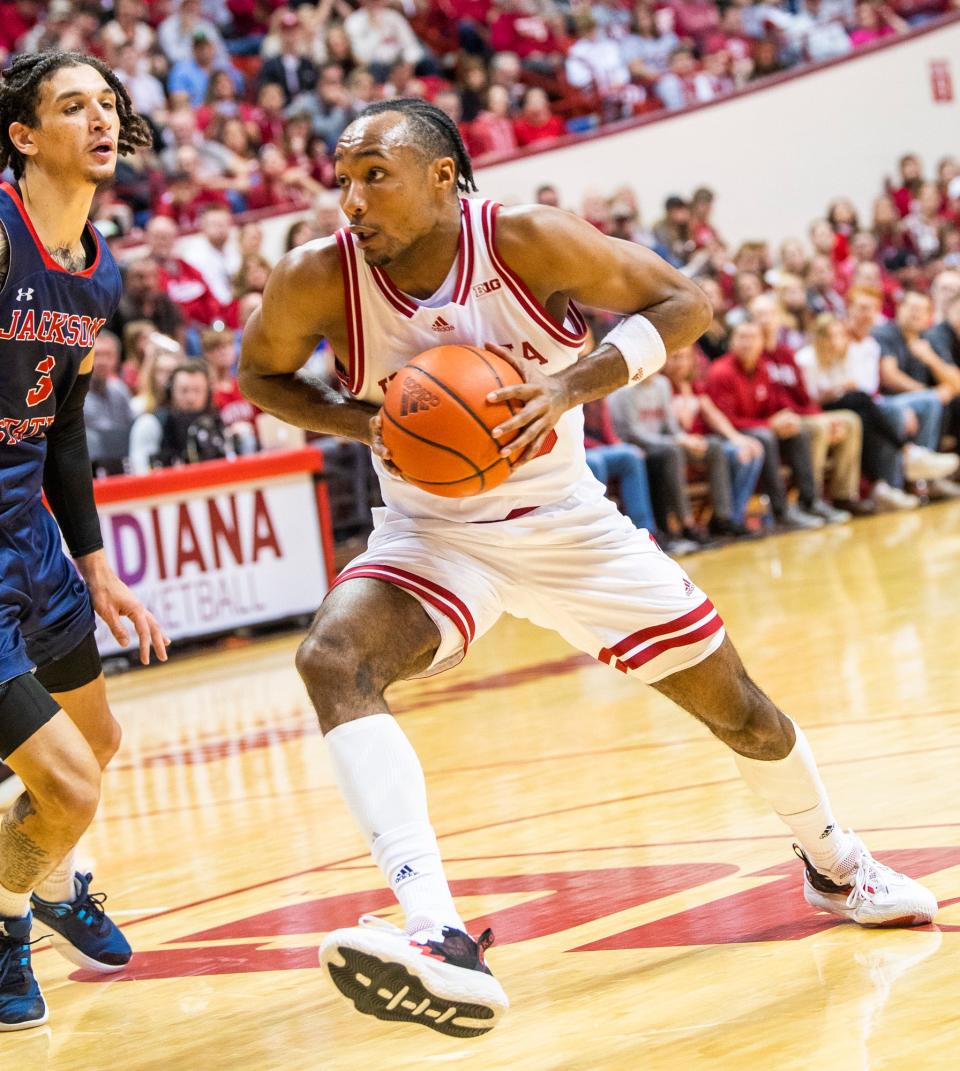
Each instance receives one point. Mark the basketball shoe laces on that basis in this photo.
(13, 958)
(87, 906)
(869, 879)
(483, 942)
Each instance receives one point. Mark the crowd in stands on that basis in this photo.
(247, 97)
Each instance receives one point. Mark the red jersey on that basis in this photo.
(782, 369)
(528, 133)
(232, 406)
(747, 399)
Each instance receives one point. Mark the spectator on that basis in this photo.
(547, 194)
(822, 294)
(518, 27)
(379, 36)
(238, 416)
(191, 76)
(677, 88)
(944, 336)
(329, 108)
(609, 458)
(175, 34)
(187, 196)
(127, 28)
(281, 184)
(741, 388)
(695, 19)
(672, 234)
(327, 218)
(213, 253)
(536, 122)
(181, 282)
(911, 179)
(505, 71)
(134, 350)
(163, 354)
(222, 101)
(714, 342)
(795, 314)
(493, 130)
(299, 233)
(913, 376)
(595, 62)
(184, 430)
(923, 223)
(945, 287)
(838, 433)
(253, 274)
(647, 48)
(733, 460)
(106, 411)
(146, 91)
(873, 22)
(291, 69)
(144, 299)
(702, 228)
(643, 415)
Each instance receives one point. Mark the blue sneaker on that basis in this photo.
(21, 1002)
(82, 931)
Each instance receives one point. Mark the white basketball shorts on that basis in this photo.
(578, 567)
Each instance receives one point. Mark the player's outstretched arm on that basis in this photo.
(302, 304)
(561, 258)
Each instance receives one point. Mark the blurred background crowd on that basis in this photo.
(827, 383)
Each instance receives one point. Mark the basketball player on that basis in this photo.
(418, 265)
(63, 119)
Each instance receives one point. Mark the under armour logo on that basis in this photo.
(25, 293)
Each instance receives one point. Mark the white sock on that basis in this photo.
(13, 905)
(58, 886)
(792, 786)
(381, 780)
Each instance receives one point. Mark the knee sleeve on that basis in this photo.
(75, 669)
(25, 707)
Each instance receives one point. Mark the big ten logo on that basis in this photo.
(203, 535)
(486, 287)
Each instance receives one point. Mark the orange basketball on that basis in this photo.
(438, 424)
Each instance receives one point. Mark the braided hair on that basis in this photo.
(20, 86)
(435, 132)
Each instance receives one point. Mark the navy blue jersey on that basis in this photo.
(49, 319)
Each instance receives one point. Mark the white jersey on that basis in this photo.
(482, 300)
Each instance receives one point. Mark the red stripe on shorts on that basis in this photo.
(687, 639)
(652, 631)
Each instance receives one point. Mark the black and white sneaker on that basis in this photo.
(437, 978)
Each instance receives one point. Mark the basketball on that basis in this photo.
(438, 424)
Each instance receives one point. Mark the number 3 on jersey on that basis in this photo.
(44, 386)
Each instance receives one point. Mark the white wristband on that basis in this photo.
(641, 346)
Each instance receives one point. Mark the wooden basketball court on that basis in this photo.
(647, 907)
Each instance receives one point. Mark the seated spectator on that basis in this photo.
(268, 114)
(146, 92)
(240, 163)
(106, 411)
(185, 430)
(536, 122)
(741, 388)
(643, 415)
(292, 69)
(222, 100)
(134, 350)
(766, 55)
(214, 254)
(913, 376)
(610, 458)
(299, 233)
(795, 314)
(506, 71)
(238, 416)
(674, 242)
(253, 274)
(733, 461)
(714, 342)
(191, 76)
(182, 283)
(695, 19)
(163, 354)
(837, 434)
(595, 62)
(492, 130)
(646, 50)
(281, 184)
(835, 373)
(181, 131)
(379, 36)
(189, 194)
(329, 107)
(144, 299)
(944, 336)
(127, 28)
(872, 22)
(911, 179)
(677, 87)
(923, 224)
(176, 33)
(822, 294)
(747, 285)
(703, 231)
(520, 28)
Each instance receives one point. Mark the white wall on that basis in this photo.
(776, 157)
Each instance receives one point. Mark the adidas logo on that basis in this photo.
(404, 874)
(826, 833)
(416, 399)
(440, 324)
(687, 586)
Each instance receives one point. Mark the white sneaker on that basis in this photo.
(829, 513)
(919, 463)
(891, 498)
(938, 490)
(437, 977)
(872, 895)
